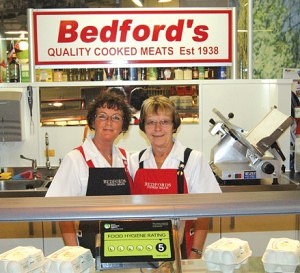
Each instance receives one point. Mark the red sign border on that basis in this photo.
(227, 11)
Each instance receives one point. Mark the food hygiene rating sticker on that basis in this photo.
(136, 241)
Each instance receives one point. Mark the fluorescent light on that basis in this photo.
(57, 104)
(139, 3)
(164, 1)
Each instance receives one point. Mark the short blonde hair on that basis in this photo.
(159, 104)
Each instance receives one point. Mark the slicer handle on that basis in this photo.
(211, 121)
(277, 148)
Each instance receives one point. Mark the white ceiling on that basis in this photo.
(13, 12)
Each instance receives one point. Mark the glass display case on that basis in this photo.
(275, 212)
(66, 105)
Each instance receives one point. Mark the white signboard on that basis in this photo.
(132, 37)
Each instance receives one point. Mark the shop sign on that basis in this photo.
(132, 37)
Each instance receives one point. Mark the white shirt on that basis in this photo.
(72, 176)
(198, 174)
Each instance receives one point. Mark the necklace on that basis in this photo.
(107, 156)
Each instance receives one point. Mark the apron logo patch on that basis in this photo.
(114, 182)
(158, 186)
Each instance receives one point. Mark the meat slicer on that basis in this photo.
(242, 157)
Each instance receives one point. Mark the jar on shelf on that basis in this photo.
(178, 73)
(57, 75)
(187, 73)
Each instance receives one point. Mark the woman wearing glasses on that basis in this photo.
(86, 170)
(168, 167)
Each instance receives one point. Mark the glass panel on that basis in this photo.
(67, 106)
(257, 231)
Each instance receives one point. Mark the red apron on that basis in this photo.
(166, 181)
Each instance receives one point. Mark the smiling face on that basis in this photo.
(159, 129)
(108, 124)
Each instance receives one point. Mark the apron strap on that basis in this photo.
(180, 176)
(123, 152)
(89, 162)
(141, 163)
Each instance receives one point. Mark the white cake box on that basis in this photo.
(22, 259)
(281, 255)
(70, 259)
(226, 255)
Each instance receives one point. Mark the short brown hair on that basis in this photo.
(110, 101)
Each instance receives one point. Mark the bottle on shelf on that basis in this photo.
(133, 74)
(222, 73)
(143, 73)
(201, 72)
(152, 74)
(160, 73)
(78, 75)
(98, 74)
(87, 75)
(168, 73)
(125, 74)
(57, 75)
(195, 73)
(71, 75)
(118, 73)
(14, 69)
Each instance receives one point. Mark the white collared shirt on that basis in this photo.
(198, 174)
(72, 176)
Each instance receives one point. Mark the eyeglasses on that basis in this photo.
(163, 123)
(105, 117)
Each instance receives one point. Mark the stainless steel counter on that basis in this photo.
(253, 265)
(184, 206)
(287, 182)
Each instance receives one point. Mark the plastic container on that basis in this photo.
(281, 255)
(70, 259)
(22, 260)
(226, 255)
(176, 101)
(186, 102)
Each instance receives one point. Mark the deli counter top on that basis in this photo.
(38, 188)
(124, 207)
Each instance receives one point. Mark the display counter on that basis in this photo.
(139, 207)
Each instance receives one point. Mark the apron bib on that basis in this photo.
(102, 181)
(166, 181)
